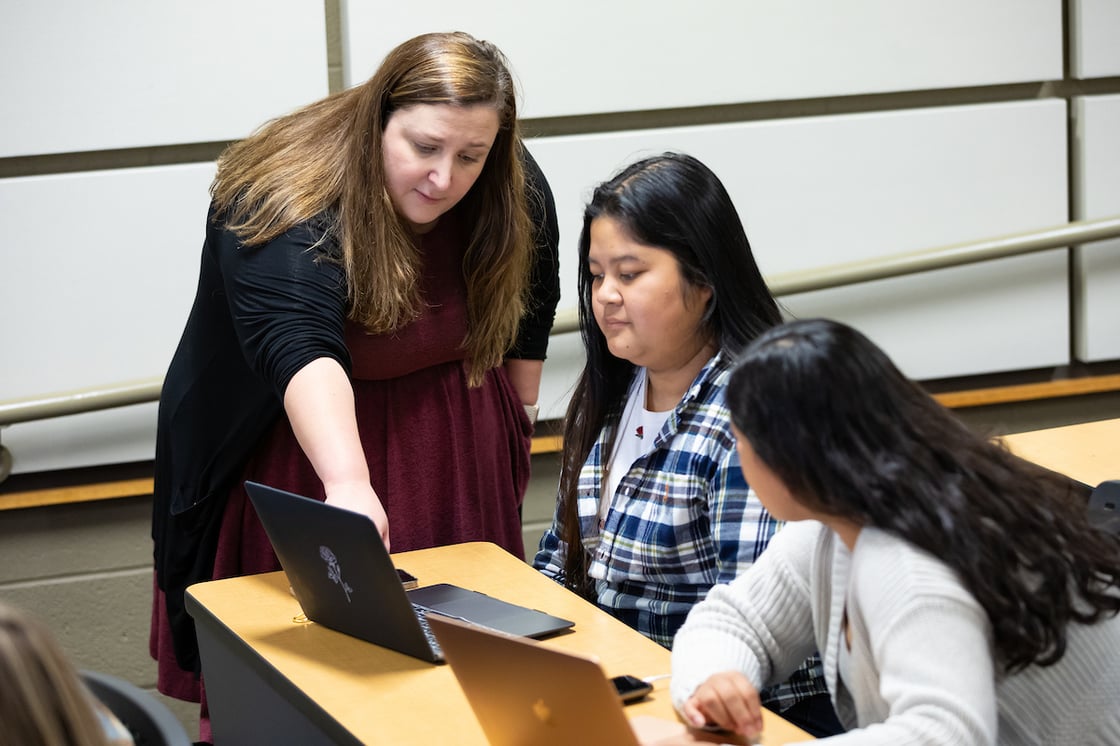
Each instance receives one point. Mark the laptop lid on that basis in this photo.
(344, 579)
(524, 692)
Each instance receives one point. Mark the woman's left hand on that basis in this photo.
(726, 700)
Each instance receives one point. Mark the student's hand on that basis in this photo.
(654, 731)
(727, 700)
(360, 498)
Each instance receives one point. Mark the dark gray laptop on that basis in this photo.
(344, 579)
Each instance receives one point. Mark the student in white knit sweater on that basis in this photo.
(957, 594)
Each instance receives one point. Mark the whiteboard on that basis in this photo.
(1094, 38)
(589, 56)
(1097, 195)
(100, 270)
(825, 190)
(100, 266)
(83, 75)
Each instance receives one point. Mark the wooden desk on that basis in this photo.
(272, 680)
(1088, 452)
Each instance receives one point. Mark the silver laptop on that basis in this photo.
(344, 579)
(523, 692)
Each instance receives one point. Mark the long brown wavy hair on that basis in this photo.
(326, 158)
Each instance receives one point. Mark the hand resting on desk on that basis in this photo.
(728, 700)
(653, 731)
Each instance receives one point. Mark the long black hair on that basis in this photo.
(850, 436)
(672, 202)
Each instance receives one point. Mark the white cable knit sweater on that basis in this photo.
(919, 666)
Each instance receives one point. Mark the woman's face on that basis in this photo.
(771, 490)
(646, 310)
(432, 155)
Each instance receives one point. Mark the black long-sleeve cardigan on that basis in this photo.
(260, 314)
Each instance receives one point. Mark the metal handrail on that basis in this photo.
(837, 275)
(909, 263)
(80, 401)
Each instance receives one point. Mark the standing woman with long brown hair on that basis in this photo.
(378, 284)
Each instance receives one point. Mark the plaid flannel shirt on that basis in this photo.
(682, 520)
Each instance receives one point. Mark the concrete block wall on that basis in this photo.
(86, 570)
(83, 567)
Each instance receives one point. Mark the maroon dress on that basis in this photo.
(449, 462)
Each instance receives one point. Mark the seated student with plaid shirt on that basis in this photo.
(651, 494)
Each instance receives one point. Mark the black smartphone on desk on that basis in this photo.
(408, 580)
(631, 688)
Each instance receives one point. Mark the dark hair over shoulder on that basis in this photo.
(673, 202)
(852, 437)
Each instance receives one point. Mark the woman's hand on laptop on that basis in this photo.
(360, 499)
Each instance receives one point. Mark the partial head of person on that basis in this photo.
(666, 268)
(825, 408)
(829, 427)
(42, 699)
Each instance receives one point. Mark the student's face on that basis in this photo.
(645, 309)
(771, 490)
(432, 155)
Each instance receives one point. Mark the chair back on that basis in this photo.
(147, 719)
(1104, 506)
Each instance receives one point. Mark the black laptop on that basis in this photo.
(344, 579)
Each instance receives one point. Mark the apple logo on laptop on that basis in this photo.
(543, 713)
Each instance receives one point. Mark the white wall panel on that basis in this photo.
(1094, 38)
(82, 75)
(826, 190)
(99, 271)
(1097, 195)
(587, 56)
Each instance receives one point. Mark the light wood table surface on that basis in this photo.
(1088, 452)
(268, 676)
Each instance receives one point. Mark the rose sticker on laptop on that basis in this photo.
(334, 572)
